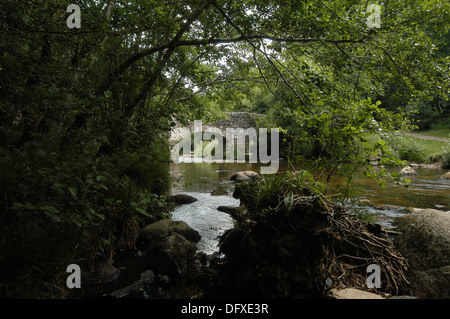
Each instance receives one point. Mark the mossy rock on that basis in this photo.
(165, 227)
(181, 199)
(425, 242)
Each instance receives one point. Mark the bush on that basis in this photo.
(274, 193)
(55, 211)
(406, 149)
(146, 172)
(446, 155)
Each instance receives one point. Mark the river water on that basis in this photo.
(426, 190)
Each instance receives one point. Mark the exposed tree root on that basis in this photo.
(301, 247)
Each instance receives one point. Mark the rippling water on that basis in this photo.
(426, 190)
(204, 217)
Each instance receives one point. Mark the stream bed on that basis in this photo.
(204, 217)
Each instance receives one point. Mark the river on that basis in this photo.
(426, 190)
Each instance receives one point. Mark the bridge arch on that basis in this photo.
(186, 144)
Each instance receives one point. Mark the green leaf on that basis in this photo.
(50, 209)
(101, 178)
(93, 212)
(73, 191)
(77, 222)
(56, 218)
(30, 206)
(142, 211)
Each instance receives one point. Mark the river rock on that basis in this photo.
(108, 273)
(244, 176)
(352, 293)
(172, 255)
(236, 213)
(415, 210)
(425, 243)
(220, 191)
(365, 202)
(408, 170)
(373, 160)
(146, 277)
(181, 199)
(165, 227)
(446, 175)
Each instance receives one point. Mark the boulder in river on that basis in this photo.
(169, 246)
(425, 243)
(181, 199)
(365, 202)
(146, 278)
(172, 255)
(446, 175)
(408, 170)
(237, 213)
(108, 273)
(351, 293)
(244, 176)
(165, 227)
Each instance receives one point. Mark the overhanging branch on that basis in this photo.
(255, 48)
(204, 42)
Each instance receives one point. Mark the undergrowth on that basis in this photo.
(57, 210)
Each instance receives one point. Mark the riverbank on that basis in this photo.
(432, 145)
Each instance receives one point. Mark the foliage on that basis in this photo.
(432, 115)
(446, 155)
(414, 149)
(85, 112)
(276, 193)
(362, 212)
(406, 149)
(56, 212)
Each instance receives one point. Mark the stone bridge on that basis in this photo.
(240, 129)
(242, 120)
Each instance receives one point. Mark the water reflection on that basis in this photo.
(426, 190)
(205, 177)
